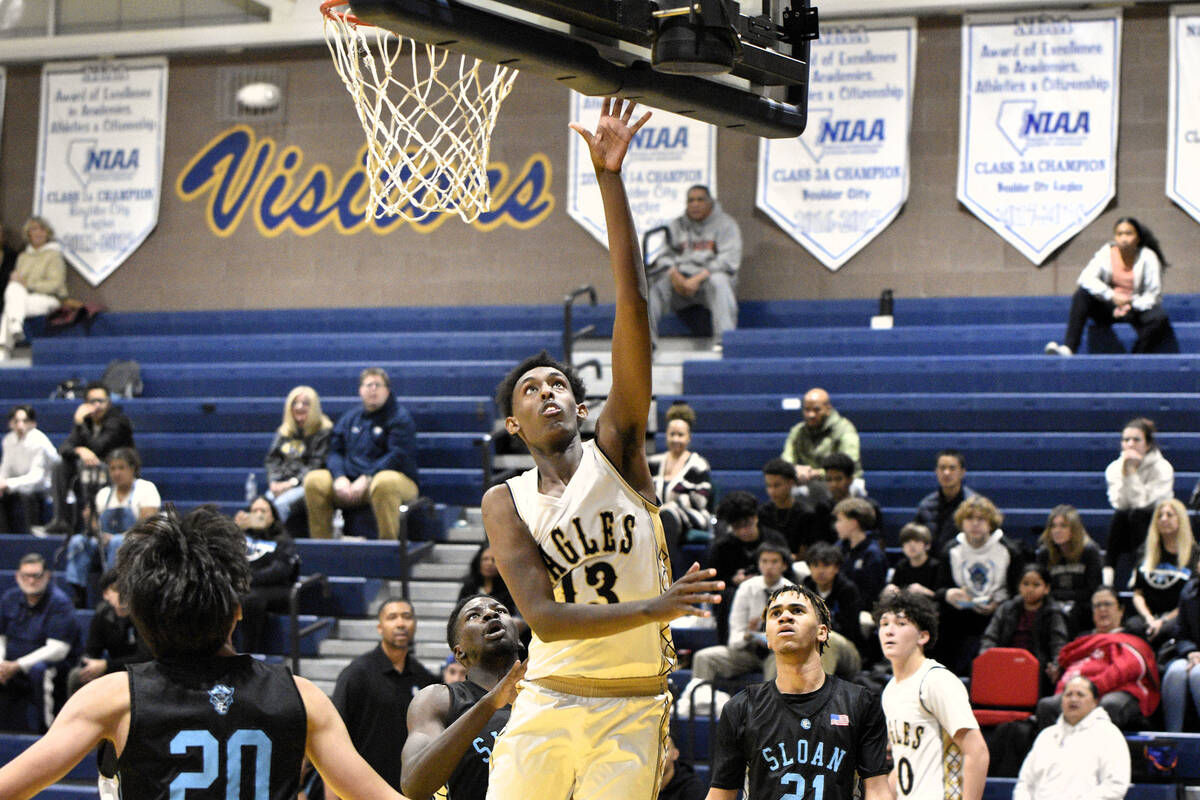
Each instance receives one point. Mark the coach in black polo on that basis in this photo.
(374, 690)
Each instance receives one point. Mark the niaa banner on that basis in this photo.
(837, 186)
(100, 158)
(669, 154)
(1038, 123)
(1183, 116)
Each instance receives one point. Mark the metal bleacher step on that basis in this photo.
(667, 372)
(451, 553)
(440, 572)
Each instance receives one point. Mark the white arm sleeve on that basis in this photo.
(52, 650)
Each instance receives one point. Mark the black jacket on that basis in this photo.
(1049, 628)
(114, 431)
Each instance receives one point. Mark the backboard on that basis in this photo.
(635, 49)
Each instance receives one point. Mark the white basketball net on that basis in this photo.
(428, 120)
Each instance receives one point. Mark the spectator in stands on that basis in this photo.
(823, 431)
(372, 693)
(1121, 665)
(980, 570)
(99, 428)
(299, 447)
(128, 499)
(24, 471)
(679, 778)
(37, 631)
(1082, 756)
(936, 509)
(843, 598)
(746, 650)
(452, 671)
(1073, 561)
(1122, 283)
(683, 482)
(1181, 678)
(1168, 560)
(1138, 480)
(38, 284)
(274, 567)
(702, 265)
(732, 553)
(8, 261)
(866, 564)
(839, 483)
(1032, 621)
(112, 640)
(484, 578)
(792, 513)
(372, 459)
(918, 571)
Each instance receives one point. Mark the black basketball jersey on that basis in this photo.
(793, 746)
(222, 728)
(469, 781)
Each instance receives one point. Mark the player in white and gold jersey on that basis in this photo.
(579, 544)
(937, 749)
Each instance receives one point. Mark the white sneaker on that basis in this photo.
(1056, 349)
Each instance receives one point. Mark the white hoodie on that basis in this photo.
(1086, 761)
(981, 571)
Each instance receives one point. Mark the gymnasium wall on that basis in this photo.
(208, 254)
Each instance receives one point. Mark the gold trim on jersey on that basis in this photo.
(605, 687)
(952, 768)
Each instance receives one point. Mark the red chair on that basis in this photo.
(1004, 685)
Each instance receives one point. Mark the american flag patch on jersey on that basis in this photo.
(839, 719)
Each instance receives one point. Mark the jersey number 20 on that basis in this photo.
(211, 766)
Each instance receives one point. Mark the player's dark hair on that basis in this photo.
(825, 553)
(736, 507)
(504, 391)
(814, 599)
(950, 452)
(840, 462)
(452, 623)
(780, 468)
(916, 608)
(30, 414)
(183, 578)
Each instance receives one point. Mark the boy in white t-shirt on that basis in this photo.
(937, 748)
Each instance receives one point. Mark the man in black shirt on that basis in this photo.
(99, 428)
(734, 553)
(936, 509)
(200, 720)
(452, 729)
(373, 692)
(791, 513)
(805, 734)
(112, 640)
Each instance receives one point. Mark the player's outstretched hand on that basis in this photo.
(687, 594)
(505, 692)
(614, 132)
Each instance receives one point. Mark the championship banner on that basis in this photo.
(1183, 115)
(837, 186)
(669, 154)
(100, 157)
(1038, 123)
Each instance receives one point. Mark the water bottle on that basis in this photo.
(886, 302)
(251, 489)
(339, 523)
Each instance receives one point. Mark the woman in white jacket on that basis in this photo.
(1122, 283)
(1083, 756)
(1138, 480)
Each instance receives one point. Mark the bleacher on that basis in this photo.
(967, 373)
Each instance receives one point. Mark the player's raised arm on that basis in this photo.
(621, 429)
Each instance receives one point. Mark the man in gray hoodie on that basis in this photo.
(706, 251)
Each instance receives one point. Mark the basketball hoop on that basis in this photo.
(428, 120)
